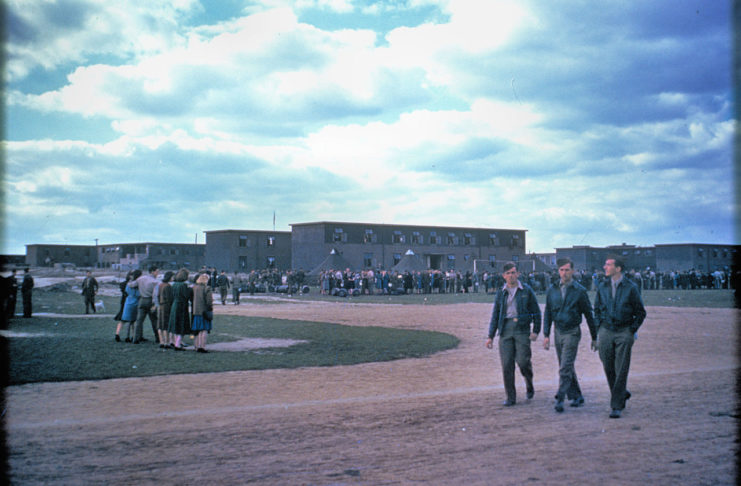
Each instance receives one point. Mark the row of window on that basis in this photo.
(368, 260)
(243, 263)
(245, 242)
(433, 238)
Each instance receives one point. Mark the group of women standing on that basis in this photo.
(173, 298)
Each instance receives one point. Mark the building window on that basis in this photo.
(493, 241)
(452, 240)
(715, 253)
(451, 262)
(434, 239)
(700, 252)
(515, 242)
(397, 237)
(492, 261)
(67, 252)
(397, 258)
(369, 236)
(270, 241)
(367, 260)
(339, 236)
(417, 238)
(468, 239)
(242, 263)
(242, 241)
(270, 261)
(466, 258)
(515, 258)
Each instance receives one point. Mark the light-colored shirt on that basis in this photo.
(146, 285)
(511, 306)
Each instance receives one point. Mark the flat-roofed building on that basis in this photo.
(44, 255)
(698, 256)
(662, 258)
(246, 250)
(381, 246)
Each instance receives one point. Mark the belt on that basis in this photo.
(511, 319)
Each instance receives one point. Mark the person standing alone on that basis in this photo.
(27, 293)
(619, 312)
(515, 309)
(566, 303)
(89, 289)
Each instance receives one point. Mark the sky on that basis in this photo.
(583, 122)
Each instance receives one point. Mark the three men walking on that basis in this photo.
(617, 315)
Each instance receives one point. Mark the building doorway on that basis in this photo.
(435, 261)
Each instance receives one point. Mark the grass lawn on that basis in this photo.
(73, 348)
(67, 347)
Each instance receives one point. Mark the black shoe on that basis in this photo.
(162, 346)
(559, 406)
(178, 348)
(530, 393)
(137, 341)
(627, 395)
(508, 403)
(143, 340)
(127, 340)
(118, 338)
(578, 402)
(615, 413)
(201, 350)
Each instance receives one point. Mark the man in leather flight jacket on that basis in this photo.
(619, 312)
(515, 309)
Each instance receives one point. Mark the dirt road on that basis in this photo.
(437, 420)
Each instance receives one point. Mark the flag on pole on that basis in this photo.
(273, 220)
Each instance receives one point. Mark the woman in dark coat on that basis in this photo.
(164, 304)
(203, 305)
(122, 286)
(179, 322)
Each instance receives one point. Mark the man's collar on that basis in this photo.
(519, 286)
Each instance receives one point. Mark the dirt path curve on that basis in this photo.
(436, 420)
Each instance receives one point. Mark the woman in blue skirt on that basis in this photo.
(128, 315)
(203, 305)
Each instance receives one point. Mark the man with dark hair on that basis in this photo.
(89, 289)
(145, 308)
(515, 309)
(619, 312)
(222, 281)
(566, 303)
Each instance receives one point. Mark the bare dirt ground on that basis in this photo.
(437, 420)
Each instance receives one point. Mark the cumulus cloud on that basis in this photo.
(568, 119)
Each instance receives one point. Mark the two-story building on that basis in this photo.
(381, 246)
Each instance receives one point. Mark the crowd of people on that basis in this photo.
(455, 281)
(175, 305)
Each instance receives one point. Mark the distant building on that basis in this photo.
(49, 255)
(703, 257)
(381, 246)
(128, 256)
(120, 256)
(246, 250)
(549, 259)
(662, 258)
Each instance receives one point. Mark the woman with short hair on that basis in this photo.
(203, 304)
